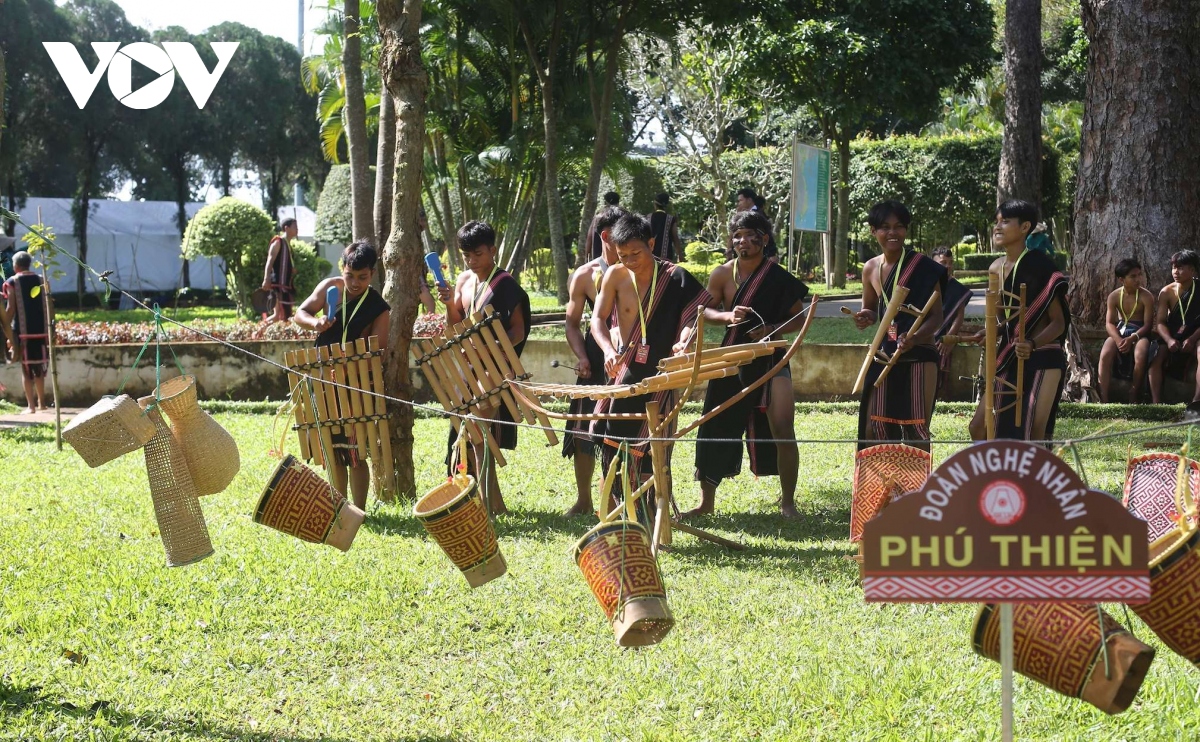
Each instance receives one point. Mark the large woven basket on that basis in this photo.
(176, 508)
(109, 429)
(211, 453)
(454, 515)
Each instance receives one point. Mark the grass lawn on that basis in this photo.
(183, 314)
(823, 330)
(275, 639)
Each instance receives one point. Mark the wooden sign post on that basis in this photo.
(1005, 521)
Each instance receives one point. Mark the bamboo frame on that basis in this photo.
(916, 326)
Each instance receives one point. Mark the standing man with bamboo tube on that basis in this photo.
(901, 407)
(757, 298)
(656, 305)
(1037, 366)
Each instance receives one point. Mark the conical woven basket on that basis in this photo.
(176, 508)
(211, 453)
(109, 429)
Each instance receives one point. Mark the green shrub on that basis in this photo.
(699, 272)
(982, 261)
(235, 232)
(701, 254)
(334, 213)
(309, 268)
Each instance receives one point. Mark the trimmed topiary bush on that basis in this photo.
(334, 213)
(233, 231)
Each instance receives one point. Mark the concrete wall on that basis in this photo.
(87, 372)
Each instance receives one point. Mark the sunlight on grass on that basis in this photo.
(273, 638)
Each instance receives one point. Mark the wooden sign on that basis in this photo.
(1005, 521)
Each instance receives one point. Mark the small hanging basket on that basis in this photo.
(109, 429)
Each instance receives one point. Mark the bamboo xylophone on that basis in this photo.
(344, 392)
(471, 368)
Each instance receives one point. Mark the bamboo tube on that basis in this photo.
(289, 360)
(916, 326)
(662, 489)
(533, 418)
(325, 373)
(51, 351)
(478, 353)
(321, 415)
(453, 386)
(477, 388)
(989, 362)
(491, 382)
(363, 367)
(388, 467)
(754, 350)
(490, 335)
(1020, 386)
(348, 398)
(899, 294)
(787, 358)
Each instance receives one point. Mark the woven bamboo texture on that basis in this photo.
(211, 453)
(109, 429)
(176, 507)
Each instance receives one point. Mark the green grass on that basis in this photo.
(183, 314)
(275, 639)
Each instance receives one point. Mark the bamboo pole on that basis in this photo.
(711, 354)
(345, 373)
(515, 361)
(660, 477)
(51, 347)
(289, 360)
(989, 363)
(453, 386)
(899, 294)
(368, 403)
(385, 434)
(325, 373)
(311, 356)
(916, 326)
(478, 353)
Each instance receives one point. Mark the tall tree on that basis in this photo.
(863, 66)
(1021, 150)
(384, 168)
(404, 76)
(355, 112)
(104, 134)
(545, 64)
(1138, 192)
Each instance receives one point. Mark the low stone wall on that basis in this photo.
(87, 372)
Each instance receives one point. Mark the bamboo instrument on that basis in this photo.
(1020, 361)
(515, 362)
(503, 365)
(321, 413)
(330, 391)
(456, 390)
(487, 369)
(989, 364)
(289, 360)
(916, 326)
(385, 434)
(363, 366)
(349, 397)
(754, 350)
(662, 482)
(893, 308)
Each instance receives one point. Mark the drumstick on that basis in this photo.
(899, 294)
(912, 330)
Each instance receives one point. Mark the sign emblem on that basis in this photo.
(1002, 503)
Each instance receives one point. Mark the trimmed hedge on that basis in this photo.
(334, 213)
(981, 261)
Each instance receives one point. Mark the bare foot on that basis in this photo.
(697, 512)
(28, 411)
(581, 507)
(788, 511)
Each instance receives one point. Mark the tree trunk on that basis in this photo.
(384, 169)
(554, 207)
(1021, 150)
(841, 239)
(1138, 194)
(404, 76)
(181, 196)
(355, 113)
(520, 256)
(449, 227)
(603, 117)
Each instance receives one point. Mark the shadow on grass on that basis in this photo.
(30, 699)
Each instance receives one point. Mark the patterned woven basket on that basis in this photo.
(616, 561)
(211, 453)
(176, 508)
(299, 502)
(455, 516)
(109, 429)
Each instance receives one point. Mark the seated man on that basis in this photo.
(954, 309)
(1178, 327)
(1129, 321)
(757, 298)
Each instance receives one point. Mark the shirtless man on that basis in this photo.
(1129, 322)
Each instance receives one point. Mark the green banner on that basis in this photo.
(810, 188)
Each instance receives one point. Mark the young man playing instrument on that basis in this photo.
(1178, 327)
(756, 298)
(1129, 321)
(484, 283)
(954, 309)
(901, 408)
(278, 274)
(656, 304)
(589, 360)
(361, 313)
(1046, 320)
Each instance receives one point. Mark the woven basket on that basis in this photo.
(109, 429)
(299, 502)
(211, 453)
(176, 507)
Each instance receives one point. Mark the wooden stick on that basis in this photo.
(368, 407)
(916, 325)
(787, 358)
(692, 530)
(899, 294)
(711, 354)
(662, 481)
(567, 416)
(989, 364)
(385, 434)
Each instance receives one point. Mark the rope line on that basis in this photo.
(159, 318)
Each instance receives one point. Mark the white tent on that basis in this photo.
(137, 240)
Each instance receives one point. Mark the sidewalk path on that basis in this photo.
(11, 421)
